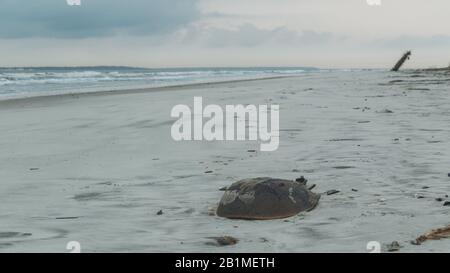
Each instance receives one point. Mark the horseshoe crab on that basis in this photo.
(266, 198)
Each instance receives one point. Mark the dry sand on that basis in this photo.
(96, 168)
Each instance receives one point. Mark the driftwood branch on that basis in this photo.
(402, 60)
(435, 234)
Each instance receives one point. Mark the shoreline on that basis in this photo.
(138, 90)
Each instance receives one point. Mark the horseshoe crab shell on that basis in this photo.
(266, 198)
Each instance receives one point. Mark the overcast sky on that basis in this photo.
(179, 33)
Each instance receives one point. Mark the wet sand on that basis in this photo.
(97, 168)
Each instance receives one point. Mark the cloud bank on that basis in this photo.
(94, 18)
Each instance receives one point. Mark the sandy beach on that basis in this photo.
(97, 168)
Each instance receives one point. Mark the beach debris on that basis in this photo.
(419, 89)
(396, 81)
(331, 192)
(301, 180)
(312, 187)
(419, 196)
(67, 218)
(251, 151)
(34, 169)
(345, 139)
(364, 109)
(385, 111)
(406, 56)
(209, 172)
(160, 212)
(448, 174)
(355, 190)
(343, 167)
(224, 241)
(393, 247)
(88, 196)
(435, 234)
(13, 234)
(266, 198)
(439, 199)
(447, 204)
(223, 189)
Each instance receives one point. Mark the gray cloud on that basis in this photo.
(94, 18)
(415, 42)
(249, 35)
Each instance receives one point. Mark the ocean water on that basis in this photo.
(36, 81)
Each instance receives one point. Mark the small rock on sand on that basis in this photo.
(225, 241)
(394, 246)
(447, 203)
(160, 212)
